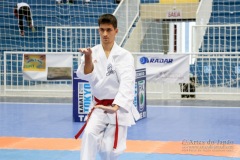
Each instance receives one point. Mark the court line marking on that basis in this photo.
(153, 106)
(133, 146)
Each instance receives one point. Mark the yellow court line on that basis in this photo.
(138, 146)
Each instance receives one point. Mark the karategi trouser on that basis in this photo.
(99, 137)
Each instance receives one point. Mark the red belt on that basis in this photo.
(105, 102)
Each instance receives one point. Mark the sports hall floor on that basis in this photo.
(173, 130)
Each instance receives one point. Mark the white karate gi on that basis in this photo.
(111, 78)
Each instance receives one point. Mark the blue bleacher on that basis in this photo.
(53, 2)
(222, 75)
(225, 18)
(225, 2)
(150, 1)
(49, 13)
(225, 39)
(225, 12)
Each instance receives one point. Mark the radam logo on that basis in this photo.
(144, 60)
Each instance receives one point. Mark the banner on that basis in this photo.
(43, 67)
(34, 62)
(165, 68)
(82, 96)
(140, 99)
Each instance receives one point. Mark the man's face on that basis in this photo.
(107, 33)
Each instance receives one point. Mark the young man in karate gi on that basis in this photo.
(111, 73)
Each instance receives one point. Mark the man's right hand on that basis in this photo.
(88, 67)
(86, 51)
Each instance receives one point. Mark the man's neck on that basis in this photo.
(107, 48)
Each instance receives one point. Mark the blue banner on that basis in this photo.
(82, 96)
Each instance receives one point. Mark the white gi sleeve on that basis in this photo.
(91, 77)
(126, 74)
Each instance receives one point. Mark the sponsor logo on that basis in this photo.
(144, 60)
(84, 97)
(135, 96)
(207, 69)
(110, 70)
(141, 95)
(87, 97)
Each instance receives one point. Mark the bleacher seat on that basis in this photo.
(225, 2)
(47, 13)
(224, 73)
(225, 18)
(150, 1)
(18, 43)
(218, 7)
(225, 38)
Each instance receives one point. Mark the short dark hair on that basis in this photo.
(108, 19)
